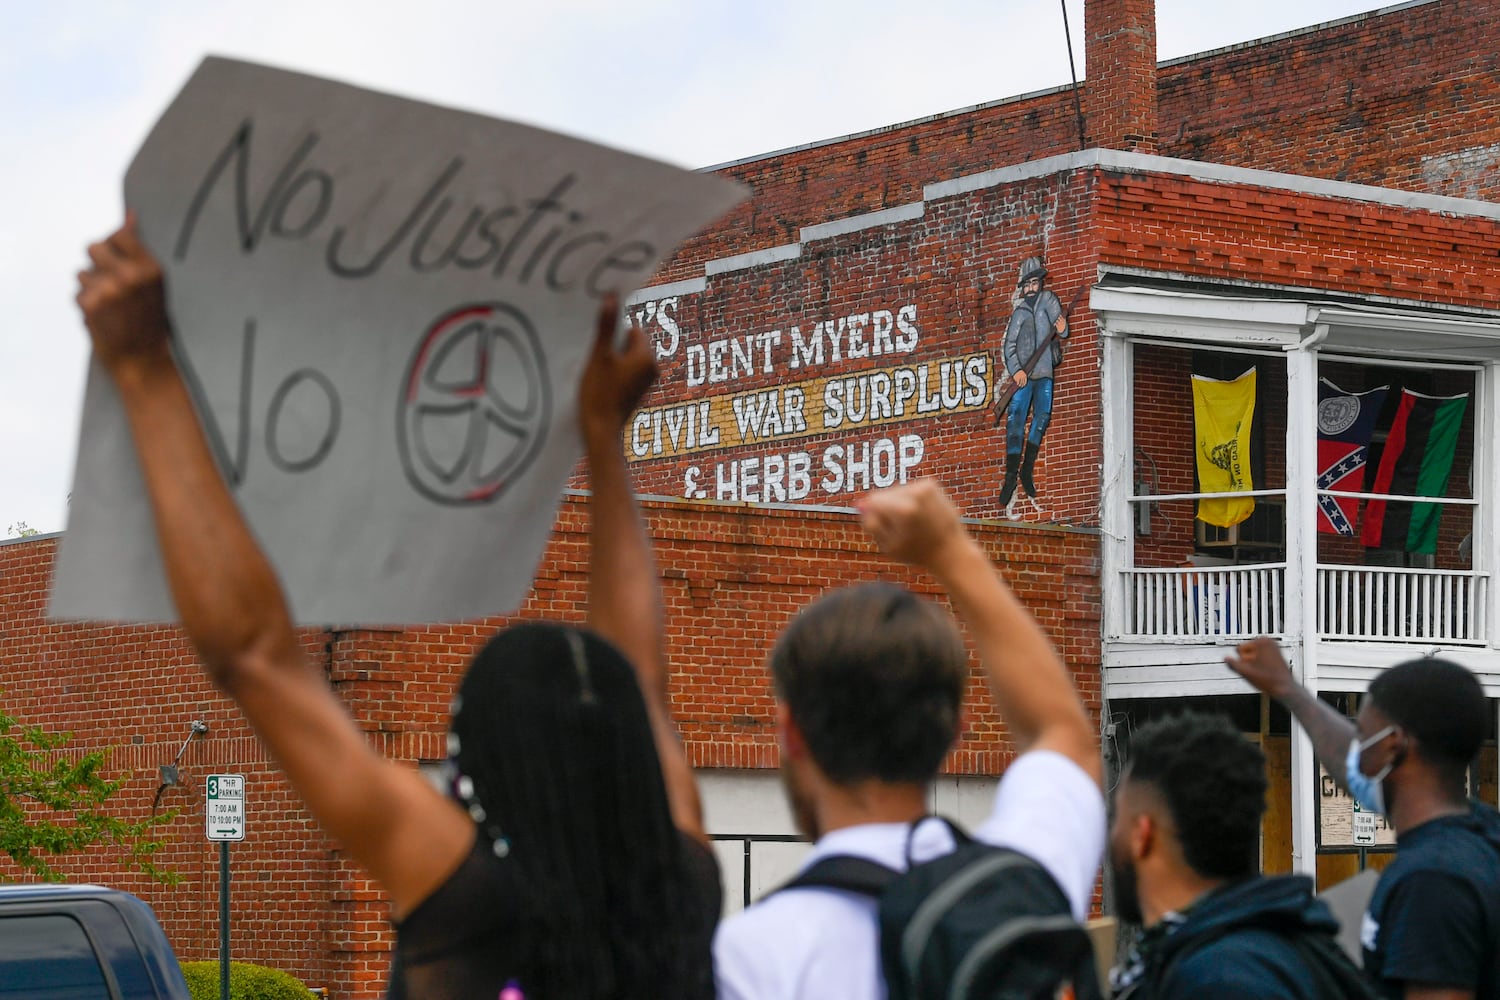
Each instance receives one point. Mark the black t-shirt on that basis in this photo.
(474, 935)
(1435, 915)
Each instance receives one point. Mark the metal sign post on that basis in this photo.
(224, 821)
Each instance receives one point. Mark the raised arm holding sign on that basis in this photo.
(570, 858)
(378, 306)
(343, 316)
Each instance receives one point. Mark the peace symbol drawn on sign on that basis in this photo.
(476, 404)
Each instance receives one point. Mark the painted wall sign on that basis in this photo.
(827, 368)
(813, 378)
(867, 398)
(383, 308)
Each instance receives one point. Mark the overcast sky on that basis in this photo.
(696, 82)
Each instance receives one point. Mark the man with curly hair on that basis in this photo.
(1184, 851)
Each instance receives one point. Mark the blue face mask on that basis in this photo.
(1367, 791)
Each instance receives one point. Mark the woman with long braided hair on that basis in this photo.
(569, 860)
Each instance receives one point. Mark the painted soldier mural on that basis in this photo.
(1032, 352)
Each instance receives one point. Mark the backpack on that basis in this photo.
(981, 923)
(1334, 975)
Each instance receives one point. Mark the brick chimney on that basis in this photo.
(1119, 94)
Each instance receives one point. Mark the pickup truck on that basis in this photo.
(83, 942)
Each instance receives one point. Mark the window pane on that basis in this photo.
(48, 957)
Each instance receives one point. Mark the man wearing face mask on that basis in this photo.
(1184, 852)
(1432, 931)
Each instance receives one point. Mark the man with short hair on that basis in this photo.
(869, 682)
(1184, 852)
(1432, 931)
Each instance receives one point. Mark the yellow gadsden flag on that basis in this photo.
(1222, 412)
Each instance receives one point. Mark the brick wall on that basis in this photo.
(876, 171)
(1405, 99)
(1242, 233)
(733, 573)
(940, 286)
(1120, 97)
(732, 576)
(137, 689)
(1246, 233)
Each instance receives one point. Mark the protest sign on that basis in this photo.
(382, 308)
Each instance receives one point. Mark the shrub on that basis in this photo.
(246, 982)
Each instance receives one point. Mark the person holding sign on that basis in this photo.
(570, 860)
(1432, 930)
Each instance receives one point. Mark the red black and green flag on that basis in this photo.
(1417, 459)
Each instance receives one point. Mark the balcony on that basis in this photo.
(1210, 605)
(1379, 604)
(1199, 604)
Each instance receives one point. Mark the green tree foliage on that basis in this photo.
(21, 529)
(53, 804)
(246, 982)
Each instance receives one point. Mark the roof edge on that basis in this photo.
(1217, 173)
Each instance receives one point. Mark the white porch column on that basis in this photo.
(1487, 492)
(1302, 581)
(1116, 478)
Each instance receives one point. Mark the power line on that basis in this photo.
(1073, 69)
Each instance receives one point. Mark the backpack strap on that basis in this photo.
(846, 872)
(1334, 971)
(861, 875)
(959, 834)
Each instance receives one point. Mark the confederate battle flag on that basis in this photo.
(1345, 422)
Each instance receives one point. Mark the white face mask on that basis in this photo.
(1367, 790)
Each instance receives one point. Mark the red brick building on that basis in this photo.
(1321, 205)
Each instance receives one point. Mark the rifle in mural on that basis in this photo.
(1008, 388)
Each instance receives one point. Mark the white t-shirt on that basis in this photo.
(824, 944)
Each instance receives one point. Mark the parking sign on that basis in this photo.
(224, 816)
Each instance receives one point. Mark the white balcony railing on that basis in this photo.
(1354, 604)
(1387, 604)
(1194, 603)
